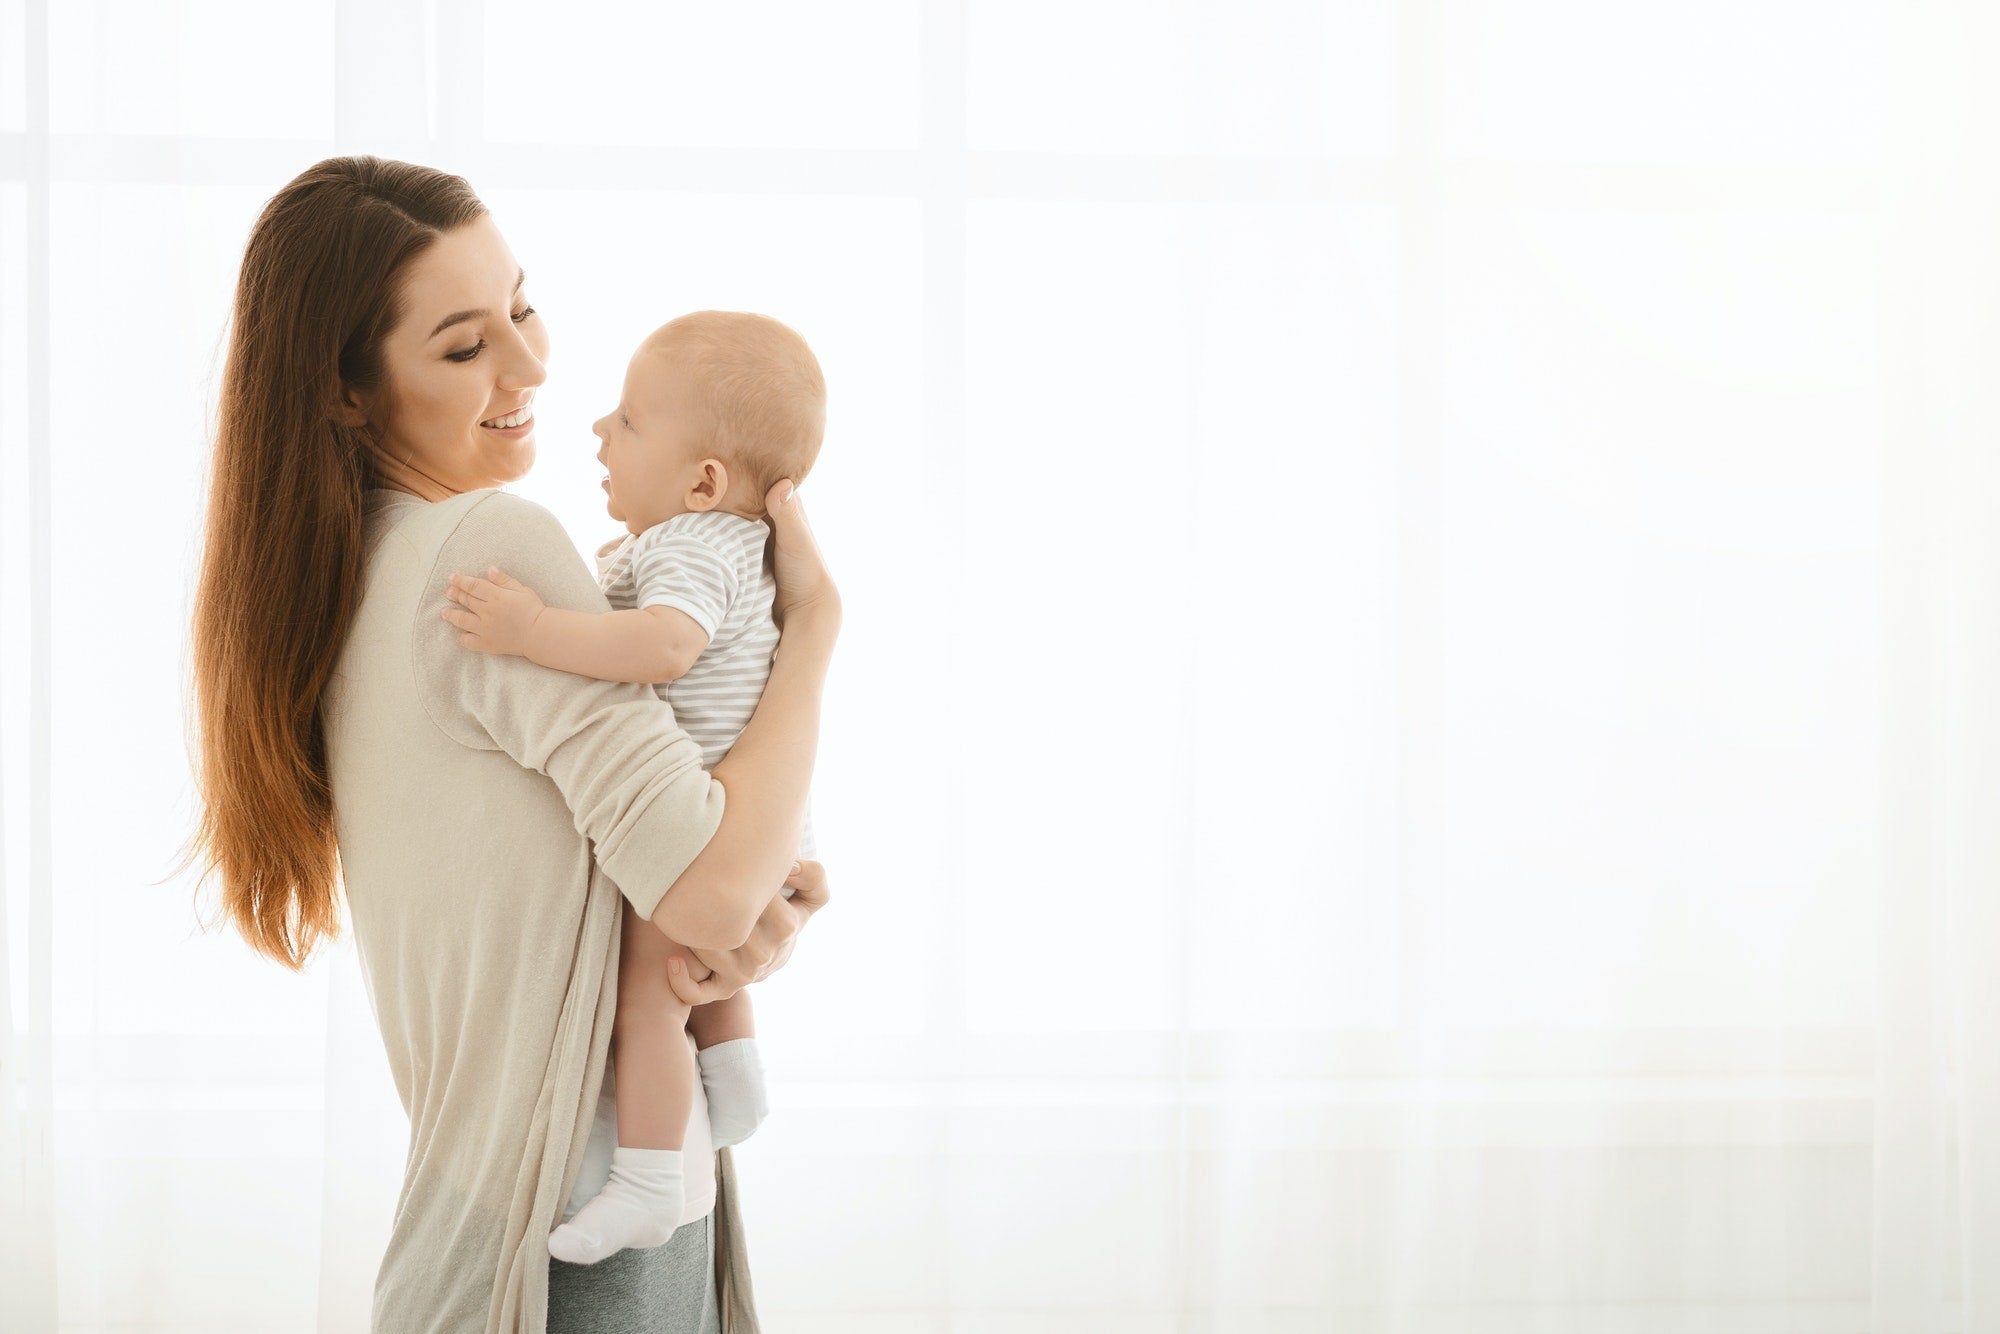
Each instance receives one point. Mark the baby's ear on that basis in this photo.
(711, 483)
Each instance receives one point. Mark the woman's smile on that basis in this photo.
(514, 423)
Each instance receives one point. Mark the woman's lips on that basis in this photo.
(511, 432)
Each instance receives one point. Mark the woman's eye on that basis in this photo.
(469, 353)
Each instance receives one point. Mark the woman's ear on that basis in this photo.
(349, 410)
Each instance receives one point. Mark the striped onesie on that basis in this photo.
(710, 565)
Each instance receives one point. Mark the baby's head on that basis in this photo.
(717, 406)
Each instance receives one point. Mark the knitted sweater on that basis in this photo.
(490, 814)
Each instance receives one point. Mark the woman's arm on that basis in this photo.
(766, 773)
(630, 776)
(712, 975)
(631, 779)
(769, 769)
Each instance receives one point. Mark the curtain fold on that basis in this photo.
(1936, 1220)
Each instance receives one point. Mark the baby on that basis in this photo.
(717, 407)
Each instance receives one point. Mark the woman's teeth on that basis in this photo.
(514, 418)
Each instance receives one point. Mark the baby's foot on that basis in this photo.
(732, 1075)
(639, 1206)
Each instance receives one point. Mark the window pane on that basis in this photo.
(13, 66)
(770, 74)
(14, 622)
(1149, 625)
(1661, 720)
(187, 68)
(1707, 81)
(130, 260)
(1195, 76)
(1290, 603)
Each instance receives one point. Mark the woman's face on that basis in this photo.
(456, 413)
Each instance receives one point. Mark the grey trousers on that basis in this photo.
(669, 1289)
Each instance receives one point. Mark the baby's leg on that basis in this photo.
(732, 1072)
(722, 1021)
(653, 1081)
(653, 1076)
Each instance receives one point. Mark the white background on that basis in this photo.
(1412, 743)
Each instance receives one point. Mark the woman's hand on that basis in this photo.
(769, 946)
(804, 586)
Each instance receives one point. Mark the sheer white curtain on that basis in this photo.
(1415, 746)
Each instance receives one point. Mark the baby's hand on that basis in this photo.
(496, 612)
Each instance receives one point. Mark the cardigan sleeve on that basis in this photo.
(631, 777)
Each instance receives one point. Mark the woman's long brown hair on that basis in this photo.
(281, 557)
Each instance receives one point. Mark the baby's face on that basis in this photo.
(653, 446)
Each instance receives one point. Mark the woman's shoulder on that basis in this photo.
(466, 691)
(492, 527)
(488, 514)
(475, 529)
(491, 511)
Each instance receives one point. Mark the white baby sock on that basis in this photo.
(732, 1075)
(639, 1206)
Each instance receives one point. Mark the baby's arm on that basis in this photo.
(649, 645)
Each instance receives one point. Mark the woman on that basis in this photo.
(484, 816)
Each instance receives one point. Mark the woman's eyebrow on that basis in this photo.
(461, 316)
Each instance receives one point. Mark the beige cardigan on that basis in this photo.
(490, 813)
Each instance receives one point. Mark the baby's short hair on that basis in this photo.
(762, 386)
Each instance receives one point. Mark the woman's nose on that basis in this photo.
(528, 371)
(524, 369)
